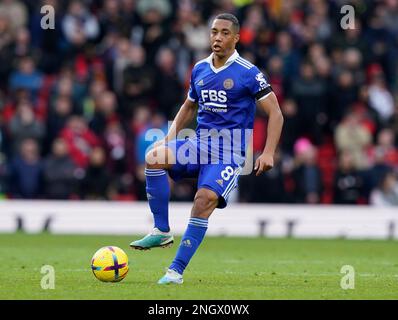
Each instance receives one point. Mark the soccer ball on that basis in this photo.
(110, 264)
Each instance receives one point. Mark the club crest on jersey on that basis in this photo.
(228, 83)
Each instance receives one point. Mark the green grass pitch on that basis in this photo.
(223, 268)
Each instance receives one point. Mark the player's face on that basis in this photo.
(223, 37)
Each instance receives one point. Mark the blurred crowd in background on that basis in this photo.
(77, 100)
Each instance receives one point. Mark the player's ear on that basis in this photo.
(237, 36)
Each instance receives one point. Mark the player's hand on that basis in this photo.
(159, 143)
(263, 163)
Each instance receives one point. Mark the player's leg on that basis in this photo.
(215, 184)
(204, 204)
(158, 160)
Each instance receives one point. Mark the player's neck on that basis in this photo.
(218, 61)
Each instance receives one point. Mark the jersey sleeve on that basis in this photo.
(192, 95)
(257, 83)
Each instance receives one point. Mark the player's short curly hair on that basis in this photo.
(230, 17)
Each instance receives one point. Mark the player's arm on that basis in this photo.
(182, 119)
(270, 105)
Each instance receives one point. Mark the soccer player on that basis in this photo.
(225, 89)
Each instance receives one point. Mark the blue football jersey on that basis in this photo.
(227, 96)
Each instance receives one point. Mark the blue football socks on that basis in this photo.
(189, 244)
(158, 194)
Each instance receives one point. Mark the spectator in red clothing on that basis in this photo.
(253, 21)
(10, 106)
(259, 136)
(80, 140)
(385, 148)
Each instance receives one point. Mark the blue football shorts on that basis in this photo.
(221, 178)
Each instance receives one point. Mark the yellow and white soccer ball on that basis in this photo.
(110, 264)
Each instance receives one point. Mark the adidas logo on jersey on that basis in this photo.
(220, 182)
(201, 83)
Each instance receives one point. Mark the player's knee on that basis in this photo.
(155, 159)
(159, 158)
(149, 160)
(204, 203)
